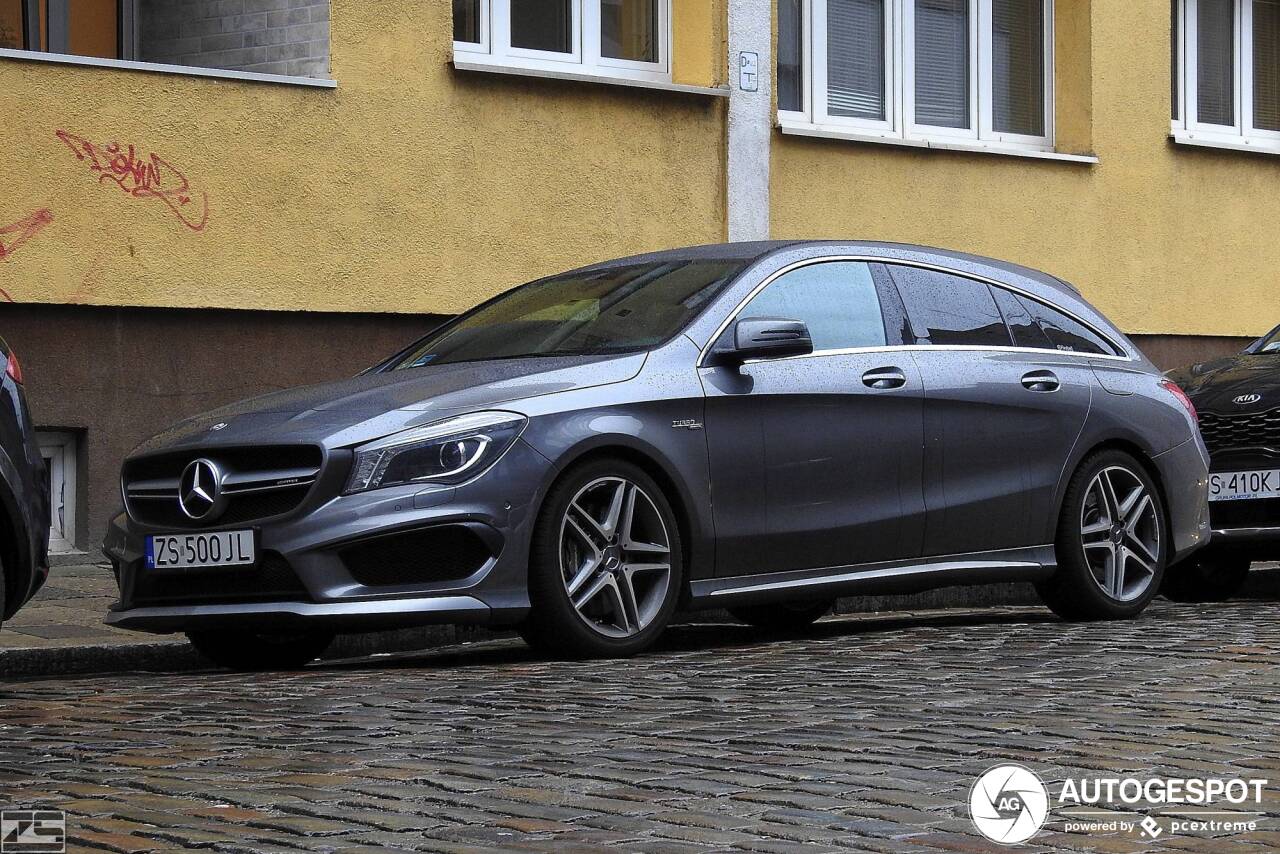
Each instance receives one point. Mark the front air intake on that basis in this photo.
(424, 556)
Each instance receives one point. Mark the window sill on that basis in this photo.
(483, 62)
(1255, 145)
(794, 128)
(156, 67)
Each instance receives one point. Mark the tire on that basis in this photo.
(1113, 504)
(3, 582)
(248, 651)
(605, 528)
(782, 616)
(1212, 577)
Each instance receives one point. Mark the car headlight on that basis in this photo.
(445, 452)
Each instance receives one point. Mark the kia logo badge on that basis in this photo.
(1246, 399)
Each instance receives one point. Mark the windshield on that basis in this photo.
(616, 310)
(1270, 344)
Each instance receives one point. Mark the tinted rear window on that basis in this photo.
(1026, 331)
(1065, 333)
(947, 309)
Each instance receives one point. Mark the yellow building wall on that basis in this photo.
(411, 187)
(1162, 238)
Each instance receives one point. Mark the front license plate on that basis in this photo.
(185, 551)
(1244, 485)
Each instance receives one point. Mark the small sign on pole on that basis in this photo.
(748, 71)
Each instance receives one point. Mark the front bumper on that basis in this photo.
(354, 616)
(326, 587)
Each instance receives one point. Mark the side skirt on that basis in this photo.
(1023, 564)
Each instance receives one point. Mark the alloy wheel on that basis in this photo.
(615, 556)
(1120, 532)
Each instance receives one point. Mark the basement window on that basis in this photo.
(607, 39)
(1226, 73)
(59, 452)
(969, 74)
(289, 40)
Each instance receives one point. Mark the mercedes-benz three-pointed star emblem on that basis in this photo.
(200, 489)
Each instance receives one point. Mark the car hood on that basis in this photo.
(369, 406)
(1228, 386)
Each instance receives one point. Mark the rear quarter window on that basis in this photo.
(1065, 333)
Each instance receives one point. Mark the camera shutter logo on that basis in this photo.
(1009, 804)
(33, 832)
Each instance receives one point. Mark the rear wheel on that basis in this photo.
(1111, 542)
(1212, 577)
(238, 650)
(605, 567)
(783, 616)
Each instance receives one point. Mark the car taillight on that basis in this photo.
(13, 369)
(1173, 389)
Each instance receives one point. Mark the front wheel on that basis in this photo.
(1206, 578)
(605, 566)
(782, 616)
(254, 651)
(1111, 542)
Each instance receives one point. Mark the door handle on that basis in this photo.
(884, 378)
(1042, 381)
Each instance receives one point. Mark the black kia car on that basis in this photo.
(1238, 399)
(24, 494)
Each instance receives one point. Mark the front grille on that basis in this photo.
(1228, 432)
(1263, 513)
(257, 483)
(445, 553)
(272, 580)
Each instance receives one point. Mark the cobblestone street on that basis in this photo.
(866, 734)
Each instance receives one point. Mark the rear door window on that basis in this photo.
(946, 309)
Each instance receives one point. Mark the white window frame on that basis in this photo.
(59, 452)
(585, 59)
(900, 124)
(1188, 128)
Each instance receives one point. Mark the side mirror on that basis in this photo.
(764, 338)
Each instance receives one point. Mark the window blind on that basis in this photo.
(1266, 64)
(1017, 66)
(629, 30)
(1216, 62)
(942, 63)
(856, 58)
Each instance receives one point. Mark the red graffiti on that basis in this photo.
(143, 177)
(13, 236)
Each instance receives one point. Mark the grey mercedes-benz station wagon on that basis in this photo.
(760, 427)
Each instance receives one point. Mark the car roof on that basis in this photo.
(752, 251)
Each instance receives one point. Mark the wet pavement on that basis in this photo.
(865, 733)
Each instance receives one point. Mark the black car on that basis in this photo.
(1238, 399)
(24, 495)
